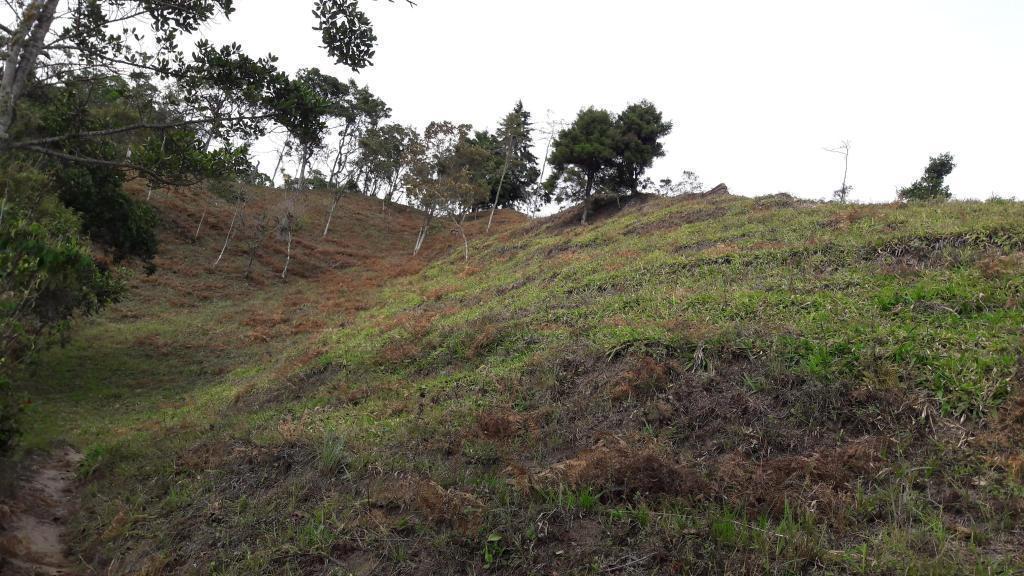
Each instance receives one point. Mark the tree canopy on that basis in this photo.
(589, 146)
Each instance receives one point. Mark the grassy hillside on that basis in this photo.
(709, 384)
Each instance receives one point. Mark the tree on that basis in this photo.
(257, 228)
(590, 146)
(931, 186)
(318, 97)
(843, 150)
(462, 184)
(446, 177)
(382, 153)
(639, 130)
(513, 144)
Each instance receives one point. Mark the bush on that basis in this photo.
(47, 276)
(111, 218)
(931, 186)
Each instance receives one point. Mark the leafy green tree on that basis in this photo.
(512, 149)
(357, 112)
(447, 176)
(931, 186)
(639, 131)
(590, 146)
(382, 153)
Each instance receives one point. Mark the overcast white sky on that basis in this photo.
(756, 89)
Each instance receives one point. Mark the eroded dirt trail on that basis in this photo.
(32, 525)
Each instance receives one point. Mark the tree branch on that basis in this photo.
(133, 128)
(93, 161)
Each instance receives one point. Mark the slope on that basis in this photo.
(710, 384)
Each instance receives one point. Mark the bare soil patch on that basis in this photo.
(33, 523)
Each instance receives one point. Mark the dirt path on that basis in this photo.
(31, 526)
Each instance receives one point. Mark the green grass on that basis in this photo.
(705, 385)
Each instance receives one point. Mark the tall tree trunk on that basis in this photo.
(586, 197)
(423, 232)
(289, 218)
(302, 171)
(501, 182)
(288, 259)
(462, 232)
(23, 49)
(330, 215)
(200, 227)
(393, 187)
(231, 230)
(280, 159)
(341, 160)
(3, 207)
(248, 266)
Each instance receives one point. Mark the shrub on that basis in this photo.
(931, 186)
(111, 218)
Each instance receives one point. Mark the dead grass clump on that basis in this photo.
(500, 424)
(602, 207)
(643, 375)
(826, 477)
(621, 472)
(485, 338)
(436, 294)
(451, 508)
(416, 323)
(843, 219)
(944, 249)
(996, 265)
(775, 201)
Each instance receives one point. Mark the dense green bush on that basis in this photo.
(111, 218)
(931, 186)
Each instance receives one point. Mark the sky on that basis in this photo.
(755, 89)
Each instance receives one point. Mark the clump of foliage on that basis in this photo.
(580, 154)
(47, 273)
(447, 176)
(110, 217)
(931, 186)
(639, 131)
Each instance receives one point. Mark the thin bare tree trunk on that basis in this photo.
(289, 218)
(288, 259)
(423, 232)
(501, 182)
(462, 232)
(248, 267)
(231, 230)
(200, 227)
(330, 215)
(280, 159)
